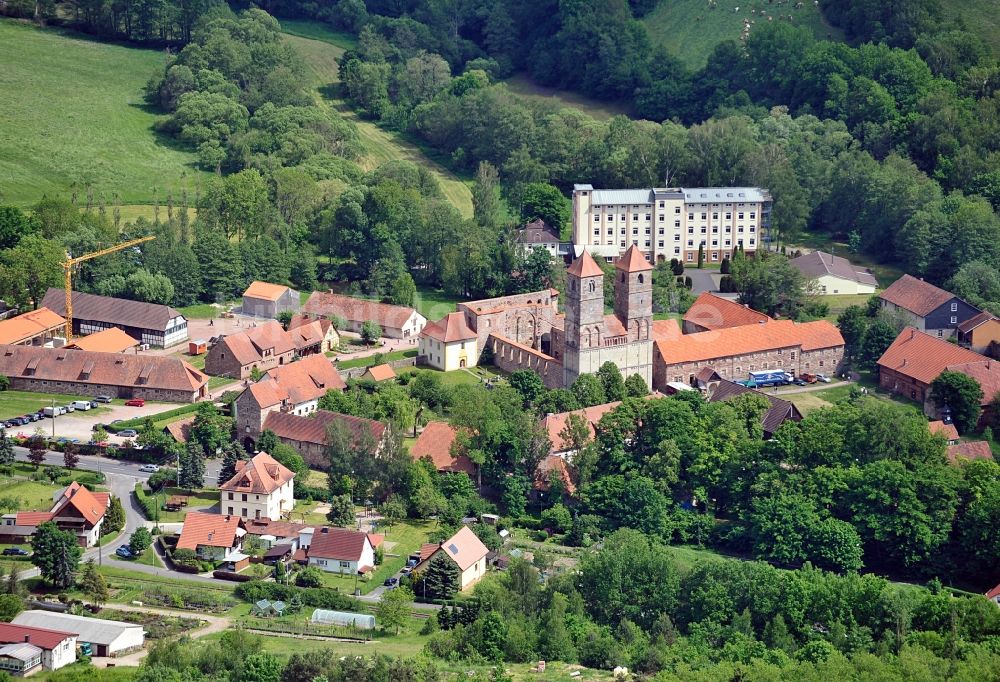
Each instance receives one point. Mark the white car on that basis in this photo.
(149, 468)
(822, 377)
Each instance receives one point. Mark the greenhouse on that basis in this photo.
(357, 620)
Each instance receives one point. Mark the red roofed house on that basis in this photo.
(313, 336)
(309, 435)
(734, 352)
(25, 648)
(449, 343)
(261, 348)
(110, 340)
(979, 332)
(396, 321)
(969, 451)
(378, 373)
(339, 550)
(555, 423)
(465, 549)
(553, 467)
(715, 312)
(74, 509)
(926, 307)
(33, 328)
(994, 595)
(263, 299)
(214, 537)
(435, 443)
(946, 431)
(261, 488)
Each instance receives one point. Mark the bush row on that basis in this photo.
(137, 423)
(147, 503)
(318, 597)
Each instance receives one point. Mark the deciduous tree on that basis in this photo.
(962, 394)
(56, 553)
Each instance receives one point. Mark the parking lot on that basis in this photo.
(80, 424)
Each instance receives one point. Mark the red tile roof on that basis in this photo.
(43, 638)
(633, 261)
(358, 310)
(202, 529)
(714, 312)
(435, 442)
(309, 333)
(337, 543)
(995, 592)
(555, 423)
(110, 340)
(32, 518)
(585, 266)
(376, 539)
(553, 465)
(970, 450)
(380, 372)
(947, 430)
(108, 369)
(262, 475)
(919, 297)
(986, 372)
(450, 328)
(85, 503)
(666, 329)
(923, 357)
(279, 529)
(267, 393)
(29, 324)
(248, 346)
(746, 339)
(464, 547)
(313, 429)
(265, 291)
(306, 379)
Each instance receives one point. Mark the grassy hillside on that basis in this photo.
(690, 30)
(320, 50)
(981, 17)
(523, 86)
(72, 112)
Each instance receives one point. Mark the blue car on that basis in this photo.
(124, 552)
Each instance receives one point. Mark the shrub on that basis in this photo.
(309, 577)
(4, 382)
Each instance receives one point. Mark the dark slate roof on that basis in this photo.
(919, 297)
(819, 263)
(537, 231)
(117, 311)
(781, 410)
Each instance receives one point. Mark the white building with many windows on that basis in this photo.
(667, 223)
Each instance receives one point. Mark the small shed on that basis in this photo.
(197, 347)
(362, 621)
(265, 607)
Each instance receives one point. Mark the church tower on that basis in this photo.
(584, 326)
(634, 294)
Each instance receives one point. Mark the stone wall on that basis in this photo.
(522, 318)
(511, 356)
(88, 389)
(220, 362)
(357, 372)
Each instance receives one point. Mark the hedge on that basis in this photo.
(318, 597)
(138, 422)
(230, 575)
(147, 503)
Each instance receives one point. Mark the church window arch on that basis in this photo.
(641, 279)
(593, 286)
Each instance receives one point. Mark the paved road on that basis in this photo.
(702, 280)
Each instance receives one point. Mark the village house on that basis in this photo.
(339, 550)
(945, 430)
(33, 328)
(465, 549)
(377, 373)
(435, 443)
(980, 333)
(449, 344)
(555, 423)
(295, 389)
(309, 436)
(396, 321)
(539, 234)
(734, 352)
(214, 537)
(312, 336)
(832, 275)
(926, 307)
(74, 509)
(994, 595)
(159, 326)
(110, 340)
(107, 637)
(710, 312)
(968, 451)
(120, 375)
(552, 468)
(25, 649)
(777, 414)
(261, 488)
(259, 348)
(262, 299)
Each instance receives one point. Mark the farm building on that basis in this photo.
(34, 328)
(150, 323)
(108, 637)
(26, 648)
(396, 321)
(262, 299)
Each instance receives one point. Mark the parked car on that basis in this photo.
(822, 377)
(68, 408)
(135, 402)
(83, 405)
(128, 433)
(800, 382)
(33, 417)
(15, 551)
(149, 468)
(410, 563)
(94, 403)
(98, 443)
(102, 399)
(391, 582)
(124, 552)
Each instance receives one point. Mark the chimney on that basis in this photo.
(904, 362)
(27, 639)
(324, 530)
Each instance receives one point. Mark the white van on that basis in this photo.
(50, 411)
(81, 404)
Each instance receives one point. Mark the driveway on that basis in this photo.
(703, 280)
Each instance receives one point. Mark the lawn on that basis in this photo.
(31, 495)
(525, 88)
(981, 19)
(386, 357)
(320, 51)
(689, 30)
(147, 558)
(79, 119)
(433, 303)
(459, 377)
(131, 212)
(200, 311)
(316, 31)
(305, 512)
(198, 500)
(840, 302)
(17, 403)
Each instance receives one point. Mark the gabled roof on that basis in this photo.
(779, 411)
(947, 430)
(29, 324)
(752, 338)
(666, 330)
(109, 369)
(202, 529)
(923, 357)
(995, 592)
(181, 429)
(970, 450)
(358, 310)
(820, 263)
(976, 320)
(279, 529)
(986, 372)
(919, 297)
(248, 346)
(449, 329)
(266, 291)
(75, 496)
(585, 266)
(110, 340)
(435, 442)
(267, 393)
(313, 429)
(308, 378)
(714, 312)
(93, 630)
(262, 475)
(115, 311)
(43, 638)
(555, 423)
(306, 333)
(537, 231)
(381, 372)
(549, 467)
(338, 543)
(633, 261)
(464, 548)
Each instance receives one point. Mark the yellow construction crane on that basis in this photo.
(68, 271)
